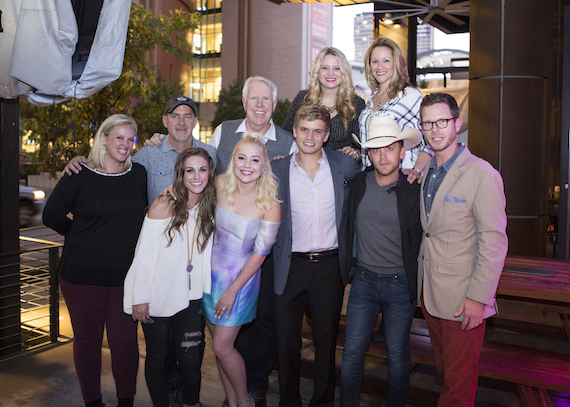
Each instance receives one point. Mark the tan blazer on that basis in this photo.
(465, 242)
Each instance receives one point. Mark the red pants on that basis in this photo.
(93, 308)
(456, 355)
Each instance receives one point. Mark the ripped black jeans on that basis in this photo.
(187, 329)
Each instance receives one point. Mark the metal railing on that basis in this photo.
(35, 322)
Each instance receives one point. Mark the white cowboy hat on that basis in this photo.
(383, 131)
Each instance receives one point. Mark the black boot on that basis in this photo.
(126, 402)
(95, 403)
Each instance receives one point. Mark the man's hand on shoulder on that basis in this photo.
(74, 165)
(168, 191)
(155, 140)
(160, 207)
(473, 314)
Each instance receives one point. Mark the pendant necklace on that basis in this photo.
(189, 267)
(380, 104)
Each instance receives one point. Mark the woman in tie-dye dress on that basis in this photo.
(248, 215)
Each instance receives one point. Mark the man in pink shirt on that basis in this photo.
(311, 254)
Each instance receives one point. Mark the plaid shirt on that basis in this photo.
(405, 109)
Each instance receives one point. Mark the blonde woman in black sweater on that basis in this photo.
(107, 200)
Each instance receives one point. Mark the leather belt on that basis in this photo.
(315, 257)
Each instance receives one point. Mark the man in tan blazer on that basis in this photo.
(463, 249)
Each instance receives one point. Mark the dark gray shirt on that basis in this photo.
(378, 234)
(435, 178)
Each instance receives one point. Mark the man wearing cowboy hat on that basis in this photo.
(384, 215)
(463, 249)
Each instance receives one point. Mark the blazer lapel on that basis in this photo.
(423, 218)
(338, 185)
(286, 198)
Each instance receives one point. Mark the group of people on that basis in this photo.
(248, 232)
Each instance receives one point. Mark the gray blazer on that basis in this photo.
(343, 170)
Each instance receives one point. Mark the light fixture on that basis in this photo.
(388, 19)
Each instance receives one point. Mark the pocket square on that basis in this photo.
(451, 198)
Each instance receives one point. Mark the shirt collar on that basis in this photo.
(294, 164)
(270, 135)
(447, 165)
(166, 146)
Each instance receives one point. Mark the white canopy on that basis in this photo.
(39, 40)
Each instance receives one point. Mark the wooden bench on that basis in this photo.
(533, 371)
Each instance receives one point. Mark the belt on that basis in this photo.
(315, 257)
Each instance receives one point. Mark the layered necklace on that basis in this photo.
(191, 253)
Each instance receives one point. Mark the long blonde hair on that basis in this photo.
(96, 155)
(265, 186)
(400, 78)
(345, 96)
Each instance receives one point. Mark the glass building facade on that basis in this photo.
(206, 81)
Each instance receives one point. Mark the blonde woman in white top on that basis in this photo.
(170, 272)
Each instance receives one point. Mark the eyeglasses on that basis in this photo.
(441, 124)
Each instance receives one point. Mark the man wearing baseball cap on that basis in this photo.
(179, 119)
(384, 215)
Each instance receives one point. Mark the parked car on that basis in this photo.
(32, 201)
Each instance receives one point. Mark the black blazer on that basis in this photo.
(343, 170)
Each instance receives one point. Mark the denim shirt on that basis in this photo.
(435, 178)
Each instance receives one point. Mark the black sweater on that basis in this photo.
(338, 137)
(108, 212)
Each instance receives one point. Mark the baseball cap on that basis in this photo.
(176, 101)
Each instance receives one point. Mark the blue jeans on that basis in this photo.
(371, 294)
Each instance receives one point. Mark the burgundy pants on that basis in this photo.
(456, 355)
(93, 308)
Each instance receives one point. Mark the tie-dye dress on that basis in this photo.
(235, 239)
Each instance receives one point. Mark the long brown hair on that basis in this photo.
(400, 78)
(206, 201)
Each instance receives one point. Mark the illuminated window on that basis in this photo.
(205, 133)
(207, 45)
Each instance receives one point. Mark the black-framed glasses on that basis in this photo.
(441, 124)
